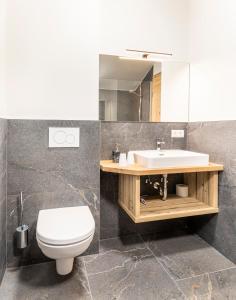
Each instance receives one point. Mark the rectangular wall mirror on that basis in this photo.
(142, 90)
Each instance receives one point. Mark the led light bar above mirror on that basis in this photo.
(146, 55)
(133, 89)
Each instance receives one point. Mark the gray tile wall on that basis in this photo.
(138, 135)
(131, 136)
(49, 178)
(219, 140)
(68, 177)
(3, 191)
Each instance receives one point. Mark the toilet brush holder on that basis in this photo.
(22, 231)
(22, 236)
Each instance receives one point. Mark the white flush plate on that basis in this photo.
(177, 133)
(63, 137)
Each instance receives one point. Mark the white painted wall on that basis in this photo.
(52, 49)
(174, 91)
(2, 58)
(52, 70)
(212, 45)
(158, 25)
(52, 52)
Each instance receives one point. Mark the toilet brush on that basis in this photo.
(22, 231)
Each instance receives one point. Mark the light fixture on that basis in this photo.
(145, 55)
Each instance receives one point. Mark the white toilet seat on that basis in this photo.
(65, 226)
(62, 245)
(62, 251)
(64, 233)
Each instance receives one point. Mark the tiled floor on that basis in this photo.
(176, 267)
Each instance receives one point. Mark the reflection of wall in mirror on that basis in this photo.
(127, 108)
(145, 88)
(102, 110)
(109, 98)
(155, 99)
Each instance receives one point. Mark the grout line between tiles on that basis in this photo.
(198, 237)
(86, 275)
(160, 262)
(205, 273)
(118, 237)
(29, 265)
(164, 269)
(168, 273)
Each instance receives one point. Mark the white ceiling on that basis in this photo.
(121, 74)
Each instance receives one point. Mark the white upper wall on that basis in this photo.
(52, 62)
(212, 45)
(2, 58)
(52, 49)
(174, 92)
(52, 52)
(154, 25)
(157, 25)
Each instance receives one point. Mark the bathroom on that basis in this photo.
(114, 77)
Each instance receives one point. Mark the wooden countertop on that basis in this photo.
(109, 166)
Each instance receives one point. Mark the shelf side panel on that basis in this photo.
(202, 187)
(191, 180)
(213, 189)
(129, 193)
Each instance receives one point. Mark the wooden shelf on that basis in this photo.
(109, 166)
(172, 202)
(173, 207)
(174, 213)
(203, 192)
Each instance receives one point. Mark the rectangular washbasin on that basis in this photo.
(169, 158)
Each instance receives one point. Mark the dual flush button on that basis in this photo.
(64, 137)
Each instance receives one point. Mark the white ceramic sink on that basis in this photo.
(169, 158)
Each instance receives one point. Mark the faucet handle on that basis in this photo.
(159, 143)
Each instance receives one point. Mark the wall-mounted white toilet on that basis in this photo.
(64, 233)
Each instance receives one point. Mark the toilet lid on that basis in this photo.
(67, 225)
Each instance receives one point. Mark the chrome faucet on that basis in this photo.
(159, 143)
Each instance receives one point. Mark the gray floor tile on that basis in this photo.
(41, 282)
(129, 274)
(123, 243)
(126, 269)
(186, 255)
(215, 286)
(113, 259)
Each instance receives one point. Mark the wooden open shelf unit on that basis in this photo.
(202, 199)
